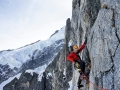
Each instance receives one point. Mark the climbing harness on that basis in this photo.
(77, 65)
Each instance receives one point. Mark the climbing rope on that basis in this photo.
(93, 83)
(78, 67)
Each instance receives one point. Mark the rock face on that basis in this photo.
(101, 20)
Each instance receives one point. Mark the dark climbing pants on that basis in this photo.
(82, 66)
(79, 82)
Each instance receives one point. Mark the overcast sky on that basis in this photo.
(26, 21)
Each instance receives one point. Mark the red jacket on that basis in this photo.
(74, 55)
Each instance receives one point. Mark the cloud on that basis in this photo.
(32, 20)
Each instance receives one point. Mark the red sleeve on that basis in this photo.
(70, 57)
(81, 48)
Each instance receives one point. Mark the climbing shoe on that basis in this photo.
(80, 86)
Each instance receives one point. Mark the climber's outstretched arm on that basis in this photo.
(82, 46)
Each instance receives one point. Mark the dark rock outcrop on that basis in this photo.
(5, 70)
(28, 81)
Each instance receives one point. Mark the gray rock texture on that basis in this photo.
(100, 19)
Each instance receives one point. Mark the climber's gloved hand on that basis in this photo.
(86, 38)
(85, 42)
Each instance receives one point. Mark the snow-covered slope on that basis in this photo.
(30, 56)
(16, 58)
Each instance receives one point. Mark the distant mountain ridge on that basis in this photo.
(30, 56)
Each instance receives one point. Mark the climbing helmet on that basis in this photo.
(75, 47)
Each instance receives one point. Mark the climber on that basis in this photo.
(80, 65)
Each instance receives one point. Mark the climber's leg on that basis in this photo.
(79, 83)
